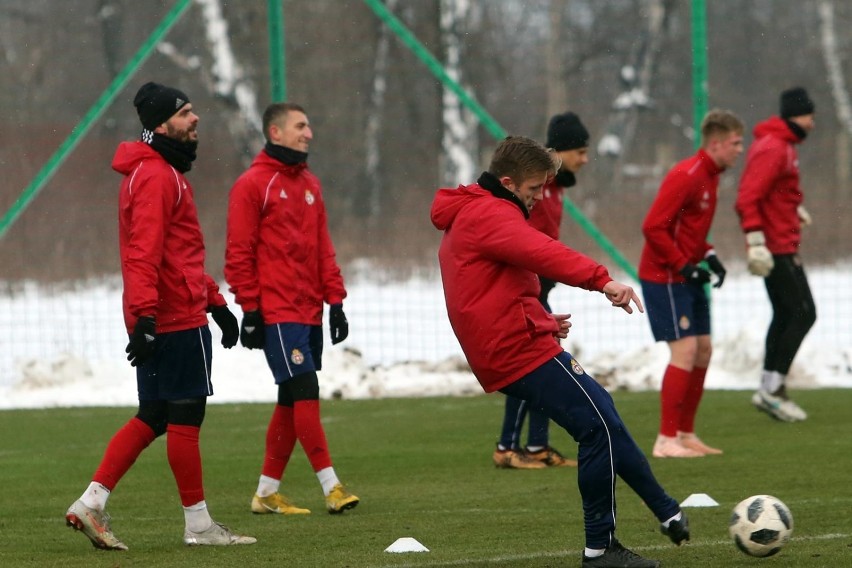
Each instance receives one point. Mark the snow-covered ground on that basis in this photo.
(67, 348)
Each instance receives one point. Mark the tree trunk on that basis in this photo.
(459, 141)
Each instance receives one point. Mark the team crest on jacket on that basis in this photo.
(283, 194)
(296, 357)
(309, 197)
(684, 322)
(575, 366)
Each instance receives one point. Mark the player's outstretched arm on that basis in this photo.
(621, 295)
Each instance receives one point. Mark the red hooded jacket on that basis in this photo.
(769, 193)
(677, 224)
(279, 257)
(161, 245)
(489, 258)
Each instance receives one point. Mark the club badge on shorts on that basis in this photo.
(575, 366)
(309, 197)
(684, 322)
(296, 357)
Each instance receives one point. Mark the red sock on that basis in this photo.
(280, 440)
(306, 418)
(672, 395)
(122, 451)
(692, 399)
(185, 461)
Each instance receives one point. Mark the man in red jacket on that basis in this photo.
(280, 264)
(771, 212)
(490, 258)
(673, 283)
(166, 296)
(569, 139)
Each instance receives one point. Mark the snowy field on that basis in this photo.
(66, 348)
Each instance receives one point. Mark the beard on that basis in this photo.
(183, 135)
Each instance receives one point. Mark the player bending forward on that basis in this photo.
(489, 259)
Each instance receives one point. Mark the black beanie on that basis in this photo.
(156, 103)
(566, 132)
(796, 102)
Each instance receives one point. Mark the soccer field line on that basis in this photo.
(575, 553)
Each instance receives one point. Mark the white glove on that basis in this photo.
(760, 262)
(804, 217)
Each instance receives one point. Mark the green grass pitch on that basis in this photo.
(422, 468)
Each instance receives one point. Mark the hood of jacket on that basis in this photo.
(129, 154)
(775, 126)
(448, 202)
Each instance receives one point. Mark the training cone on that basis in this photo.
(699, 500)
(406, 544)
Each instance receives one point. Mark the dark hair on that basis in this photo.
(520, 158)
(275, 111)
(720, 121)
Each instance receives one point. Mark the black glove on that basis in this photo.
(252, 332)
(227, 322)
(142, 341)
(717, 268)
(338, 323)
(695, 275)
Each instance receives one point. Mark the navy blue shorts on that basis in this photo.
(676, 310)
(293, 349)
(179, 368)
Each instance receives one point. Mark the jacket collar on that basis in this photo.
(490, 183)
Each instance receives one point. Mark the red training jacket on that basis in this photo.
(161, 245)
(279, 257)
(546, 216)
(769, 193)
(489, 258)
(679, 219)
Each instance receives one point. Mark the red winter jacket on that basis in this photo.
(677, 224)
(546, 216)
(279, 257)
(769, 193)
(161, 245)
(489, 258)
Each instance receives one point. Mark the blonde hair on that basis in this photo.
(719, 122)
(520, 158)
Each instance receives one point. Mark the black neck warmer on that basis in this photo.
(285, 155)
(796, 129)
(179, 154)
(565, 178)
(490, 182)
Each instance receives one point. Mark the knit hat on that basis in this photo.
(796, 102)
(566, 132)
(156, 103)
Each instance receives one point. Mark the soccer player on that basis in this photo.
(489, 258)
(674, 285)
(280, 264)
(772, 214)
(568, 137)
(166, 297)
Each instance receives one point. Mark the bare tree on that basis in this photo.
(839, 92)
(375, 116)
(460, 142)
(636, 79)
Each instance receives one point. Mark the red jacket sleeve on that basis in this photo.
(510, 239)
(151, 201)
(244, 210)
(659, 225)
(214, 298)
(758, 177)
(333, 291)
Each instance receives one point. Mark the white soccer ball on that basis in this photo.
(761, 525)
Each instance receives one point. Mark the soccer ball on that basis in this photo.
(761, 525)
